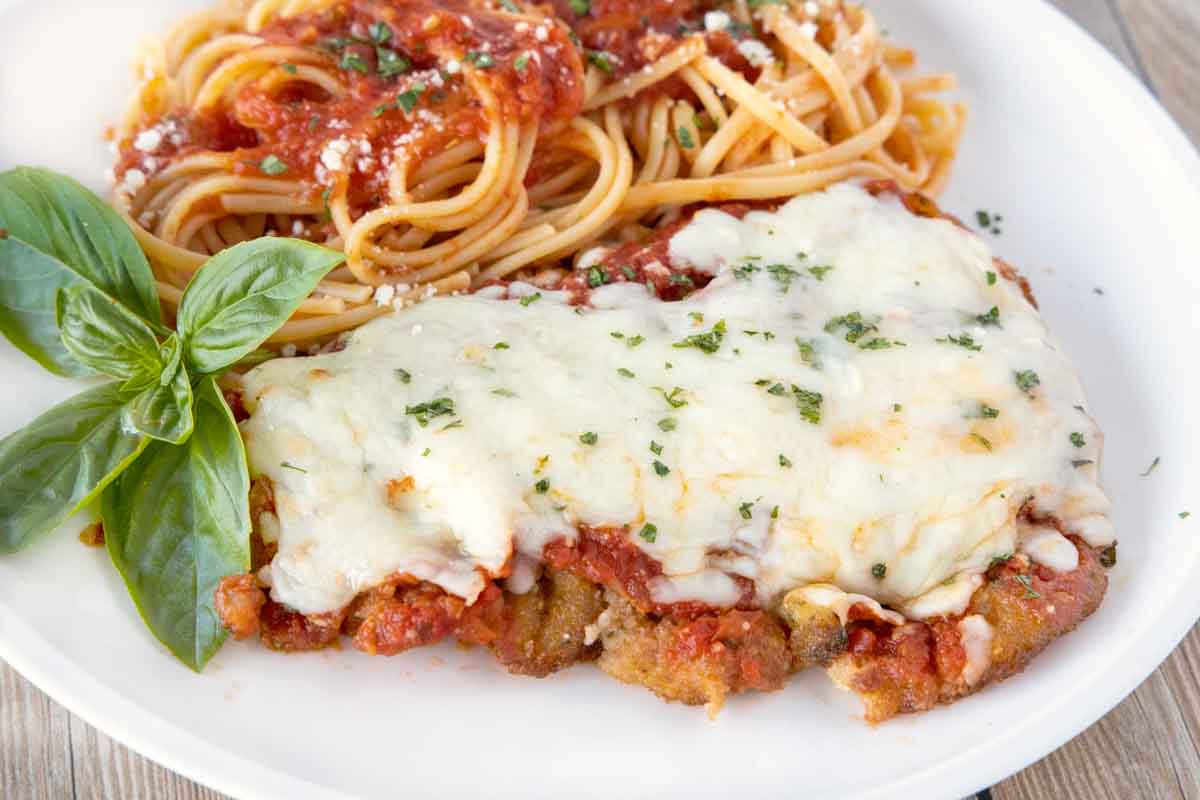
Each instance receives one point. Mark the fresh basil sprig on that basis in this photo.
(55, 234)
(159, 444)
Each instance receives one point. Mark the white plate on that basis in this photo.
(1098, 188)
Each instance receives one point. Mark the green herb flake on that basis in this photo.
(685, 138)
(404, 375)
(808, 352)
(854, 323)
(521, 62)
(708, 342)
(530, 299)
(290, 69)
(897, 408)
(1153, 466)
(963, 340)
(625, 373)
(784, 461)
(589, 438)
(1077, 439)
(1027, 582)
(982, 440)
(1081, 462)
(783, 275)
(390, 63)
(992, 317)
(272, 165)
(502, 392)
(878, 344)
(601, 60)
(1027, 380)
(879, 571)
(629, 272)
(1184, 514)
(425, 452)
(379, 32)
(667, 424)
(580, 7)
(809, 404)
(674, 398)
(596, 277)
(351, 60)
(661, 469)
(634, 341)
(510, 6)
(424, 412)
(819, 272)
(648, 533)
(289, 465)
(407, 100)
(480, 59)
(744, 272)
(991, 278)
(542, 486)
(500, 346)
(656, 448)
(746, 510)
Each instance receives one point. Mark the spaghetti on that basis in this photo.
(443, 145)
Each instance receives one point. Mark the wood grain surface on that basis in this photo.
(1147, 747)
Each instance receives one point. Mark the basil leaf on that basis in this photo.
(243, 295)
(60, 461)
(177, 522)
(104, 335)
(56, 234)
(163, 410)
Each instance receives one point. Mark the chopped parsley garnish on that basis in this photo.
(458, 423)
(648, 533)
(878, 344)
(438, 407)
(379, 111)
(596, 277)
(480, 59)
(982, 440)
(1027, 582)
(744, 272)
(667, 424)
(580, 7)
(991, 278)
(542, 486)
(656, 448)
(661, 469)
(634, 341)
(674, 398)
(624, 373)
(709, 342)
(776, 389)
(964, 340)
(589, 438)
(352, 60)
(879, 571)
(425, 452)
(1153, 466)
(380, 32)
(390, 63)
(629, 272)
(1184, 514)
(521, 62)
(272, 165)
(678, 279)
(502, 392)
(783, 274)
(761, 3)
(685, 138)
(745, 509)
(288, 465)
(500, 346)
(404, 375)
(992, 317)
(509, 5)
(616, 334)
(819, 272)
(290, 69)
(529, 299)
(1027, 380)
(983, 218)
(987, 412)
(774, 512)
(856, 327)
(600, 59)
(1081, 462)
(897, 408)
(1108, 556)
(809, 404)
(1077, 439)
(808, 353)
(408, 100)
(784, 461)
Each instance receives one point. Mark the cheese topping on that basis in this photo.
(855, 399)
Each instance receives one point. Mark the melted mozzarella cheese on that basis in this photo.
(730, 455)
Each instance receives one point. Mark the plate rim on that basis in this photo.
(219, 768)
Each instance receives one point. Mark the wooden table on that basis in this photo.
(1147, 747)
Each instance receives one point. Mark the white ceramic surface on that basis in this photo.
(1098, 188)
